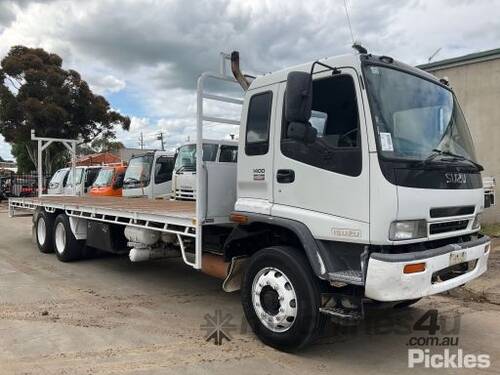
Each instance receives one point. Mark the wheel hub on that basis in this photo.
(41, 231)
(60, 238)
(274, 299)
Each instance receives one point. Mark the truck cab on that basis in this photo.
(184, 175)
(149, 175)
(84, 179)
(57, 182)
(369, 166)
(109, 181)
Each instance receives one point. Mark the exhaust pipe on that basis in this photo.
(235, 68)
(230, 272)
(214, 265)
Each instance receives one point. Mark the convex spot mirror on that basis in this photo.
(298, 105)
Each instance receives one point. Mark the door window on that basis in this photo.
(335, 117)
(228, 154)
(259, 116)
(163, 169)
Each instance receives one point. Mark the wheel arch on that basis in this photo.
(262, 231)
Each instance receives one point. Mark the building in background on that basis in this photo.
(475, 79)
(98, 159)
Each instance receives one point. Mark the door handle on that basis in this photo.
(285, 176)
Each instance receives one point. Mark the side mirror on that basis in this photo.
(298, 106)
(298, 102)
(118, 181)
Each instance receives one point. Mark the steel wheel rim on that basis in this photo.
(41, 231)
(268, 284)
(60, 238)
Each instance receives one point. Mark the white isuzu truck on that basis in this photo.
(357, 185)
(184, 175)
(149, 175)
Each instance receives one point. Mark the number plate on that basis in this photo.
(457, 257)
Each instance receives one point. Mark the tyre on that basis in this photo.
(407, 303)
(44, 224)
(281, 298)
(67, 247)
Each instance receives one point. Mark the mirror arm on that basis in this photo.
(332, 68)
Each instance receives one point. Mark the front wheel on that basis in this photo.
(67, 247)
(281, 298)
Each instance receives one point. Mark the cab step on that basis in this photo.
(341, 313)
(352, 277)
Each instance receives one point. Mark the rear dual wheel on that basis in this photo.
(67, 247)
(44, 227)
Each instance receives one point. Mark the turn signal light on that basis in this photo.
(239, 218)
(414, 268)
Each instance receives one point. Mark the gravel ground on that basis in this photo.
(109, 316)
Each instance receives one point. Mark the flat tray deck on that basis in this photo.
(160, 207)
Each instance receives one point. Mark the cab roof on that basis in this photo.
(349, 60)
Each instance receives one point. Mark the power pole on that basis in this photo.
(160, 138)
(141, 141)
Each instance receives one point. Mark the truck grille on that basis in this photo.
(449, 226)
(451, 211)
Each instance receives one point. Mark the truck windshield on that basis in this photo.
(415, 118)
(58, 178)
(186, 156)
(78, 177)
(104, 177)
(138, 172)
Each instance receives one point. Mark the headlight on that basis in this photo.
(477, 222)
(407, 230)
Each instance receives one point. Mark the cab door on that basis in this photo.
(163, 168)
(255, 152)
(325, 183)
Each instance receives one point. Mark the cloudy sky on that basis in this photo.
(144, 55)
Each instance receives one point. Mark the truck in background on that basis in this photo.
(149, 175)
(61, 181)
(184, 174)
(373, 202)
(489, 185)
(109, 181)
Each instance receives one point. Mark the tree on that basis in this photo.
(36, 93)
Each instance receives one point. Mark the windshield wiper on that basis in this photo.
(129, 180)
(180, 169)
(437, 152)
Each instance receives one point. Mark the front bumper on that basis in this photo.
(386, 281)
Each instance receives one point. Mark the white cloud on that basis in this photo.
(106, 84)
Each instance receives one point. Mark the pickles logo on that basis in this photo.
(218, 327)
